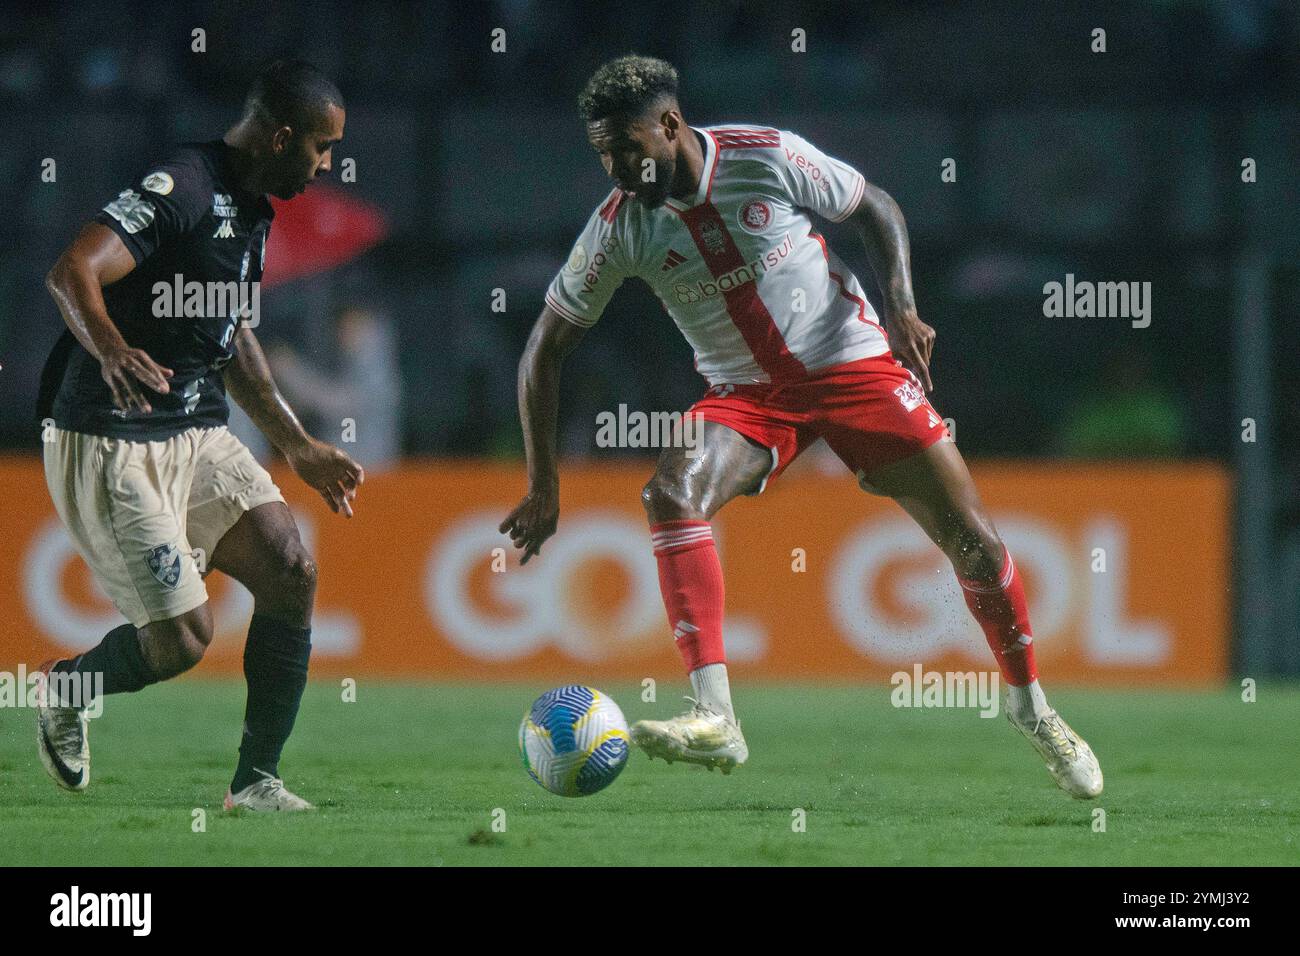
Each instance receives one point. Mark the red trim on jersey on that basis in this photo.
(610, 209)
(862, 303)
(566, 313)
(717, 155)
(857, 198)
(744, 306)
(746, 138)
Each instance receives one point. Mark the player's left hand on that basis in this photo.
(330, 471)
(912, 341)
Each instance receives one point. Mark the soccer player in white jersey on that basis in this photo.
(717, 221)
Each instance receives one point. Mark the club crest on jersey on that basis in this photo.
(714, 239)
(910, 394)
(165, 564)
(754, 216)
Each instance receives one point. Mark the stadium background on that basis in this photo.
(473, 175)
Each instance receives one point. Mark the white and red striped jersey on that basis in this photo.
(753, 287)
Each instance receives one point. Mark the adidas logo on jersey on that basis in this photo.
(672, 261)
(224, 231)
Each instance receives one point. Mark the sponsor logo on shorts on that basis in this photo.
(910, 394)
(755, 216)
(164, 564)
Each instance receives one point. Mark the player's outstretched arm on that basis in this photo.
(535, 519)
(327, 469)
(96, 258)
(883, 230)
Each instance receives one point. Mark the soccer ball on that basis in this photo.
(574, 741)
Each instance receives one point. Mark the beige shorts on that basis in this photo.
(146, 516)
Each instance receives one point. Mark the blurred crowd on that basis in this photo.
(1121, 165)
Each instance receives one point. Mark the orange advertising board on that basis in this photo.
(1125, 568)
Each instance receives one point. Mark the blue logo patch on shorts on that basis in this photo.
(165, 564)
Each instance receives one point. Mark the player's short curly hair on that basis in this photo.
(626, 87)
(293, 92)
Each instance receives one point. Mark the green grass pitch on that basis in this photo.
(412, 774)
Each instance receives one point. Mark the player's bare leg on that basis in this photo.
(263, 552)
(128, 659)
(687, 490)
(936, 489)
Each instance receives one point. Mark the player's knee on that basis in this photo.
(298, 578)
(190, 650)
(173, 647)
(665, 499)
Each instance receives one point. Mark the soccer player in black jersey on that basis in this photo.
(158, 293)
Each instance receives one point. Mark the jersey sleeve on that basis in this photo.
(828, 186)
(597, 265)
(166, 202)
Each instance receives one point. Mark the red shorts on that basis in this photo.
(871, 412)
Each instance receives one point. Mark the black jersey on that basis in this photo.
(199, 245)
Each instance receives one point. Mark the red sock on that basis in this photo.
(690, 578)
(1003, 613)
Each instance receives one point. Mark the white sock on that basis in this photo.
(1028, 702)
(712, 689)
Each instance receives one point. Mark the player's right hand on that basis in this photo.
(912, 342)
(533, 521)
(125, 370)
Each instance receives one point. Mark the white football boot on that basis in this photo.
(1069, 759)
(700, 736)
(61, 737)
(267, 794)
